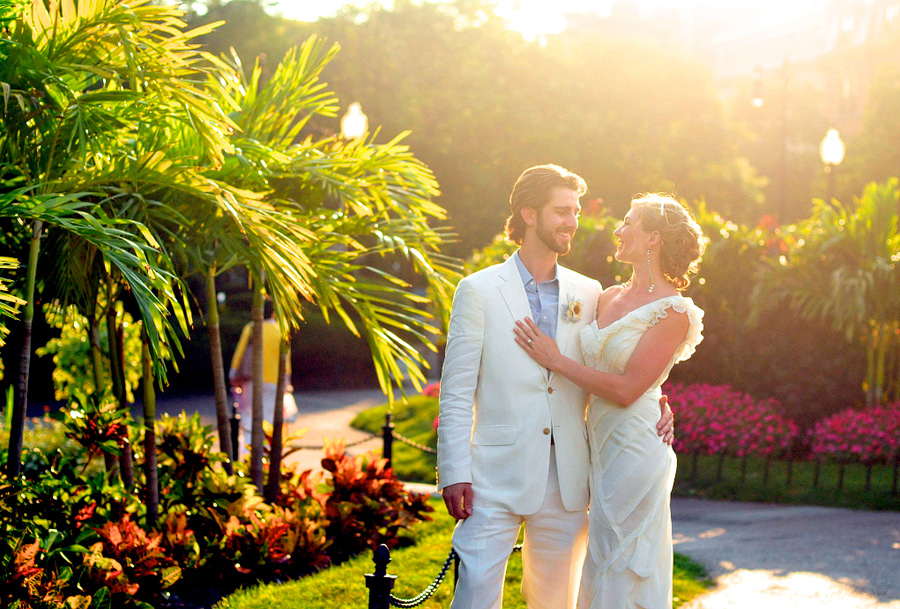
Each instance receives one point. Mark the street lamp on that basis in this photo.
(831, 150)
(756, 97)
(354, 123)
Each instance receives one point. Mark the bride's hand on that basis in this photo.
(538, 345)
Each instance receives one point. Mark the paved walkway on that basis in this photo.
(778, 557)
(760, 556)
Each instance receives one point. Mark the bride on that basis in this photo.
(642, 329)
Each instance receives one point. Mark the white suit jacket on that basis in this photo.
(498, 406)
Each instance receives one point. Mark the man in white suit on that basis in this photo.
(512, 445)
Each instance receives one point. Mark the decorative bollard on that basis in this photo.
(388, 434)
(380, 583)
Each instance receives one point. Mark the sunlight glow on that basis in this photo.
(537, 19)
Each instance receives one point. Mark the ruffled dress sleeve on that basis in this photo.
(681, 304)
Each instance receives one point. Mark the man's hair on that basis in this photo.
(533, 189)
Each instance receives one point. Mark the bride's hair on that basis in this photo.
(681, 239)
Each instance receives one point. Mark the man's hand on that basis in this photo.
(458, 499)
(666, 426)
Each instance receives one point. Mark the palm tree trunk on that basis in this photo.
(17, 424)
(117, 374)
(218, 368)
(273, 485)
(256, 433)
(150, 435)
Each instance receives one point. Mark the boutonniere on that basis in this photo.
(572, 310)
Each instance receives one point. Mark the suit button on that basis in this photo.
(546, 431)
(549, 389)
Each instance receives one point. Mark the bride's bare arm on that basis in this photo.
(653, 353)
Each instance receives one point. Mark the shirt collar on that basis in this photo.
(527, 278)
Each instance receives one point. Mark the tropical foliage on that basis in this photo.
(843, 267)
(130, 159)
(69, 536)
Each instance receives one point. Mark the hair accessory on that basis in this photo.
(650, 270)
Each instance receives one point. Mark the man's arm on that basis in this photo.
(459, 379)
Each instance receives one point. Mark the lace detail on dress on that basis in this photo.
(646, 316)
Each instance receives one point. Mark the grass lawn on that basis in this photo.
(415, 421)
(343, 587)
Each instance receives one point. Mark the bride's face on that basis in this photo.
(632, 239)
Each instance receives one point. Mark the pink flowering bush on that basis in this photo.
(432, 390)
(712, 419)
(871, 435)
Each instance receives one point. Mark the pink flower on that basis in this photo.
(432, 390)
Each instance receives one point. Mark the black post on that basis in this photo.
(380, 583)
(896, 476)
(235, 431)
(790, 467)
(388, 435)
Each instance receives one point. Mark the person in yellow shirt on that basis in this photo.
(240, 374)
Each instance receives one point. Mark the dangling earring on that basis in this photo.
(650, 270)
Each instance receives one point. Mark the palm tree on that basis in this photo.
(89, 89)
(328, 208)
(362, 201)
(845, 268)
(97, 95)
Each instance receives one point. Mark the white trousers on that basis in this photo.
(552, 557)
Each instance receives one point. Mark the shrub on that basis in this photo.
(368, 504)
(871, 435)
(129, 562)
(715, 419)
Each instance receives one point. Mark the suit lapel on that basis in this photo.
(513, 292)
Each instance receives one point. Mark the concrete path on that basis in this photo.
(778, 557)
(760, 556)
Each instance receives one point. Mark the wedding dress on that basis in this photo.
(629, 559)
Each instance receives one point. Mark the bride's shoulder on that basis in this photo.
(610, 294)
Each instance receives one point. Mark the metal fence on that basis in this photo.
(380, 583)
(388, 435)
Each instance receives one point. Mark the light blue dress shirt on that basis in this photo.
(542, 297)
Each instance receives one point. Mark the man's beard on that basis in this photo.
(547, 237)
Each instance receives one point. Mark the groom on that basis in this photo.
(512, 445)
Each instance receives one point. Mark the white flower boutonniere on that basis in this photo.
(572, 310)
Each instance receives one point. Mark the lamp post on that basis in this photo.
(354, 123)
(831, 150)
(756, 98)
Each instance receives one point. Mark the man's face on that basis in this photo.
(557, 221)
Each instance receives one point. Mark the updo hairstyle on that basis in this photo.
(681, 239)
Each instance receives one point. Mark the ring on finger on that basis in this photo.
(529, 341)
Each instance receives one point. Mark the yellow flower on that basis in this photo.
(573, 310)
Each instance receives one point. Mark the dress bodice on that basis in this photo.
(608, 349)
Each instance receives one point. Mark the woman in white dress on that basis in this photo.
(642, 329)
